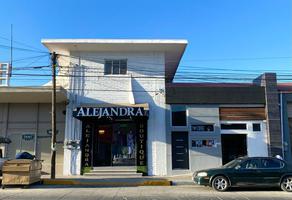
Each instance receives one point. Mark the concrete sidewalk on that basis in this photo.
(181, 179)
(47, 192)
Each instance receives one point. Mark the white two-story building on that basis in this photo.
(116, 111)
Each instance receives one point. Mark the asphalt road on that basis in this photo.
(146, 192)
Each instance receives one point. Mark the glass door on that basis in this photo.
(124, 144)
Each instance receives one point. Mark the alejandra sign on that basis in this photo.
(110, 112)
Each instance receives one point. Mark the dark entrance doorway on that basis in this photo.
(114, 144)
(114, 136)
(180, 150)
(233, 146)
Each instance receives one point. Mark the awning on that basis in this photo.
(42, 94)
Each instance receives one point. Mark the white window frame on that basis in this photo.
(248, 130)
(232, 131)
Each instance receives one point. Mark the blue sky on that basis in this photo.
(241, 36)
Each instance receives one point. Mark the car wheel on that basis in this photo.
(286, 184)
(220, 183)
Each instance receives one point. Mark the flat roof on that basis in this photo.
(214, 93)
(173, 48)
(285, 87)
(42, 94)
(203, 84)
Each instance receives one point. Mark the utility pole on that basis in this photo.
(11, 49)
(53, 139)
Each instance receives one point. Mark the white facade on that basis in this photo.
(257, 143)
(83, 77)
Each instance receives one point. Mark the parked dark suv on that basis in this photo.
(247, 171)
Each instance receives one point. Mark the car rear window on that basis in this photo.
(271, 163)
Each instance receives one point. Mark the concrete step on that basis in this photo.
(108, 182)
(109, 174)
(115, 168)
(114, 171)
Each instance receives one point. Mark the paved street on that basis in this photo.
(125, 193)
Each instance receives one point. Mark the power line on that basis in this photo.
(21, 43)
(31, 68)
(22, 49)
(29, 58)
(239, 59)
(144, 77)
(96, 58)
(206, 68)
(136, 69)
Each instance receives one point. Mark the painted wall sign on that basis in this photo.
(110, 112)
(142, 146)
(203, 128)
(87, 145)
(28, 137)
(49, 132)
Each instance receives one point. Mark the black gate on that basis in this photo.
(233, 146)
(180, 150)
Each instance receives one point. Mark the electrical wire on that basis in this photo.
(22, 49)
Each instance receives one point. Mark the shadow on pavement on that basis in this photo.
(253, 189)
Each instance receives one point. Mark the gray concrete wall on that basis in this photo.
(203, 157)
(17, 119)
(287, 126)
(269, 81)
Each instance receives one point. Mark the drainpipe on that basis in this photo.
(36, 150)
(282, 123)
(6, 128)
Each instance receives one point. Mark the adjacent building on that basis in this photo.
(26, 120)
(285, 95)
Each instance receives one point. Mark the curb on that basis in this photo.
(71, 182)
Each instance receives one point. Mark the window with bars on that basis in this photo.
(115, 67)
(4, 74)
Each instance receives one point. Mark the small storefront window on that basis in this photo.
(203, 143)
(256, 127)
(203, 128)
(233, 126)
(179, 116)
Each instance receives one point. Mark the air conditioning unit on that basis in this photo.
(4, 74)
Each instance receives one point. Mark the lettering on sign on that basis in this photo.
(141, 144)
(28, 137)
(110, 112)
(87, 145)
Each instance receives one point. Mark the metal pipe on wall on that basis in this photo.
(282, 124)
